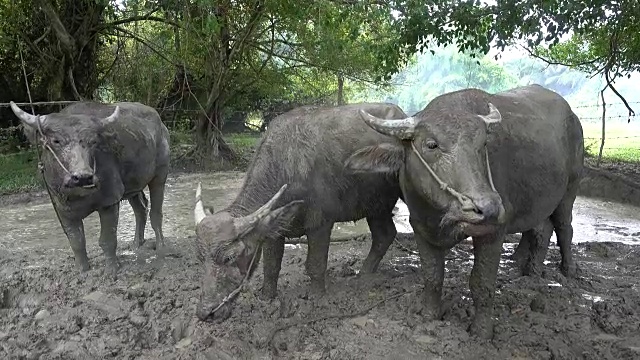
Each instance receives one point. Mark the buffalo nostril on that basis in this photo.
(487, 209)
(80, 180)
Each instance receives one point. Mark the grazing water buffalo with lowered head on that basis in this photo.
(296, 185)
(95, 155)
(482, 165)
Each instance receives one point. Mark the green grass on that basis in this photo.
(622, 140)
(243, 142)
(19, 171)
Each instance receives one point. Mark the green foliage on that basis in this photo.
(607, 37)
(19, 173)
(602, 31)
(444, 71)
(254, 55)
(448, 70)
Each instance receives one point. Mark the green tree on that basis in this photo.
(603, 36)
(243, 53)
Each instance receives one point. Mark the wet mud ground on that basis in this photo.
(50, 311)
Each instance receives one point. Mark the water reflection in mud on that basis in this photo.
(593, 220)
(34, 225)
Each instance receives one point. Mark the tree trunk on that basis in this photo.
(74, 28)
(340, 89)
(210, 145)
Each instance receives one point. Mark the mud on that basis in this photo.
(50, 311)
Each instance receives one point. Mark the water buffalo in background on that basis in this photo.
(297, 185)
(95, 155)
(482, 165)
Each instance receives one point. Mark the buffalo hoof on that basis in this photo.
(268, 293)
(532, 269)
(569, 270)
(111, 269)
(482, 328)
(429, 312)
(140, 242)
(434, 314)
(317, 290)
(83, 266)
(368, 268)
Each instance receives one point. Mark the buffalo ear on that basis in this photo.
(383, 158)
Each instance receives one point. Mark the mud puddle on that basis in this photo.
(593, 220)
(49, 311)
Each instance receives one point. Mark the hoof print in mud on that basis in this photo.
(482, 329)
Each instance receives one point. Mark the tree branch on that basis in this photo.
(264, 62)
(46, 32)
(550, 62)
(145, 43)
(72, 82)
(36, 49)
(615, 91)
(309, 64)
(238, 46)
(613, 52)
(66, 40)
(146, 17)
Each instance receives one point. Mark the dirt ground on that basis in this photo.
(50, 311)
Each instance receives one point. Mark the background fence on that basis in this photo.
(620, 134)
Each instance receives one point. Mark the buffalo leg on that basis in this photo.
(109, 235)
(522, 252)
(383, 231)
(482, 282)
(538, 246)
(139, 205)
(272, 251)
(74, 229)
(432, 261)
(156, 197)
(562, 218)
(317, 255)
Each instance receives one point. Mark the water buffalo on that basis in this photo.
(95, 155)
(482, 165)
(296, 185)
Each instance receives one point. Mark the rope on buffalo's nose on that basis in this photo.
(464, 200)
(237, 290)
(45, 144)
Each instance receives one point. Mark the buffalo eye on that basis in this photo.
(431, 145)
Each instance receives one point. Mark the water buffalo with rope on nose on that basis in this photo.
(296, 185)
(93, 156)
(482, 165)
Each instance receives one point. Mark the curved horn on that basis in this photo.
(31, 120)
(401, 128)
(247, 223)
(494, 115)
(264, 209)
(113, 117)
(199, 213)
